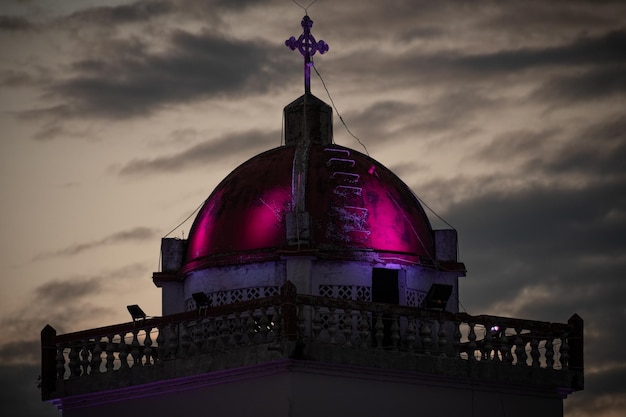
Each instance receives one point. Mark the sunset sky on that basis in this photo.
(119, 118)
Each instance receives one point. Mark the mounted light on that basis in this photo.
(136, 312)
(437, 297)
(202, 301)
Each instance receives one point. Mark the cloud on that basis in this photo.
(128, 13)
(520, 144)
(598, 151)
(203, 154)
(127, 79)
(61, 291)
(604, 49)
(14, 24)
(459, 67)
(592, 84)
(63, 302)
(136, 234)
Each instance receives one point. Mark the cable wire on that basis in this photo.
(337, 111)
(188, 217)
(306, 9)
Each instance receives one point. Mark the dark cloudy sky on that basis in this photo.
(119, 118)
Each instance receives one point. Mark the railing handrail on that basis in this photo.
(430, 314)
(170, 319)
(540, 328)
(311, 318)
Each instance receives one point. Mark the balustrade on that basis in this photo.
(355, 325)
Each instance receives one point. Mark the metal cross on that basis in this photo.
(308, 46)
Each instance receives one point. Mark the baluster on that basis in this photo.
(123, 354)
(203, 332)
(74, 362)
(185, 341)
(237, 329)
(379, 330)
(211, 339)
(395, 332)
(147, 348)
(251, 325)
(110, 349)
(442, 336)
(505, 348)
(84, 363)
(134, 352)
(564, 351)
(301, 322)
(534, 352)
(487, 343)
(276, 324)
(172, 341)
(425, 334)
(197, 337)
(471, 352)
(520, 353)
(549, 353)
(96, 356)
(411, 330)
(161, 343)
(264, 325)
(317, 323)
(364, 329)
(194, 336)
(457, 339)
(347, 327)
(332, 325)
(60, 360)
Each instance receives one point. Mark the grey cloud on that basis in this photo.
(529, 219)
(130, 81)
(377, 120)
(14, 24)
(65, 291)
(546, 253)
(202, 154)
(127, 13)
(63, 302)
(136, 234)
(60, 291)
(516, 144)
(458, 67)
(387, 121)
(599, 50)
(593, 84)
(599, 151)
(26, 325)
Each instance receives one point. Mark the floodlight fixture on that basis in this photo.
(203, 302)
(437, 297)
(136, 312)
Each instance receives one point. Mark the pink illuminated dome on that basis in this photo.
(353, 207)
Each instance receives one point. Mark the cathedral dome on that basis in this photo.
(353, 207)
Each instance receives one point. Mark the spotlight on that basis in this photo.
(202, 301)
(437, 296)
(136, 312)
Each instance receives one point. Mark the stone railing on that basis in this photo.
(283, 321)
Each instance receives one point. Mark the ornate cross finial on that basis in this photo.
(308, 46)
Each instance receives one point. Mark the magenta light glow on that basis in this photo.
(263, 224)
(354, 203)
